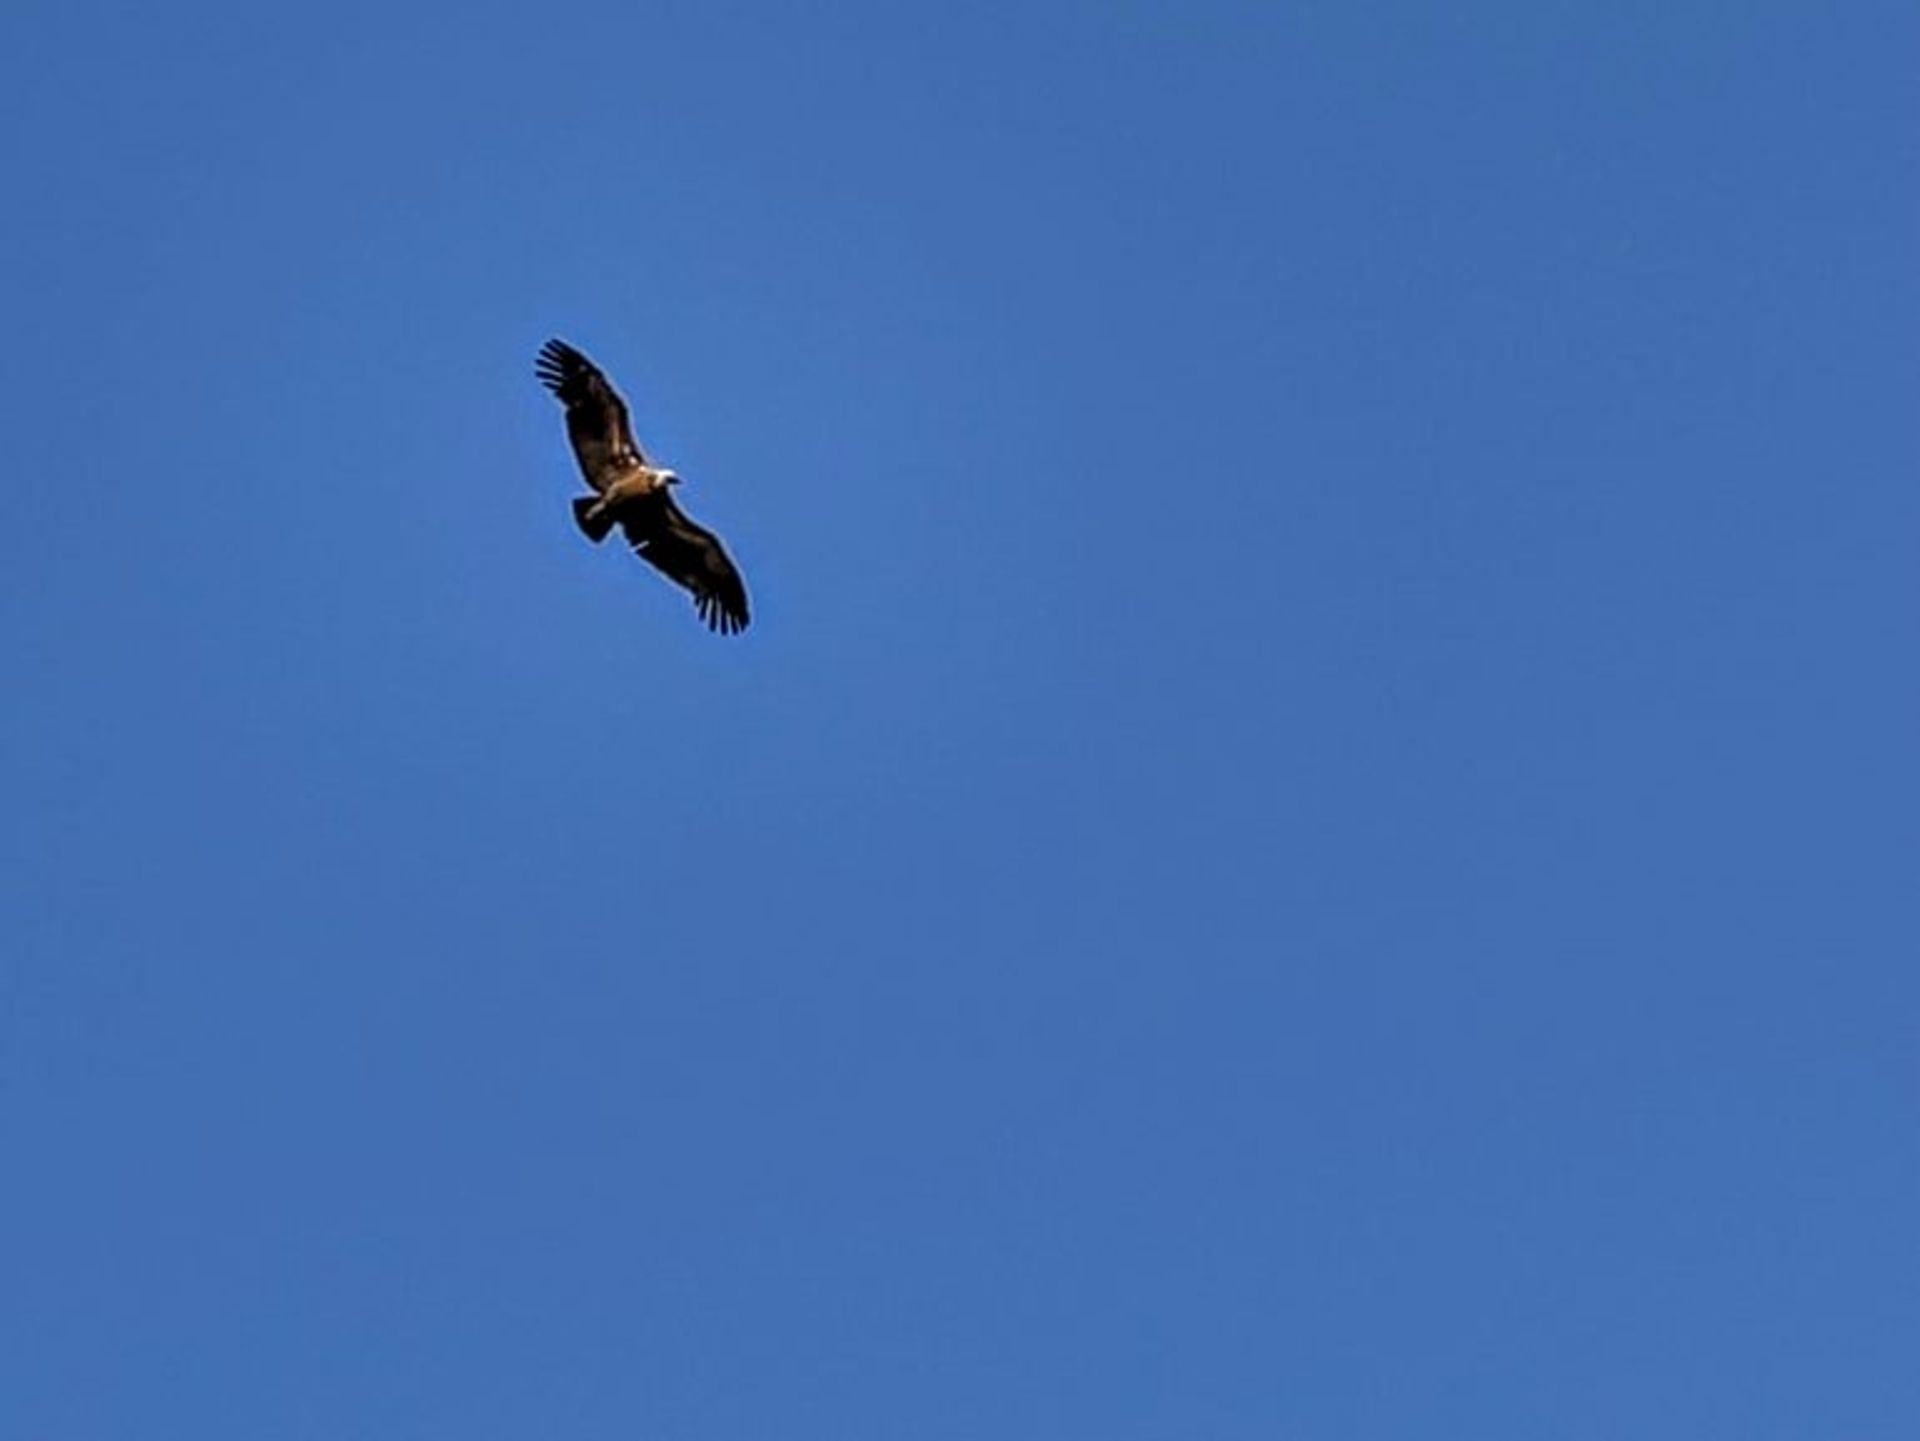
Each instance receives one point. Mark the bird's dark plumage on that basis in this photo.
(690, 555)
(634, 494)
(596, 416)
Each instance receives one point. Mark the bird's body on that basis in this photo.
(634, 494)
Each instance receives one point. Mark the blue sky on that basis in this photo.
(1314, 836)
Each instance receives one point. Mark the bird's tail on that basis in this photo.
(593, 520)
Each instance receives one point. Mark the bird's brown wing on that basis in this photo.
(690, 555)
(597, 422)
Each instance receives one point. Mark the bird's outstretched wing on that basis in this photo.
(690, 555)
(597, 422)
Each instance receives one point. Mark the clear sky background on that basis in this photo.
(1315, 836)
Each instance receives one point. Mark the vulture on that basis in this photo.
(633, 493)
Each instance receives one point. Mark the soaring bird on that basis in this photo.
(631, 492)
